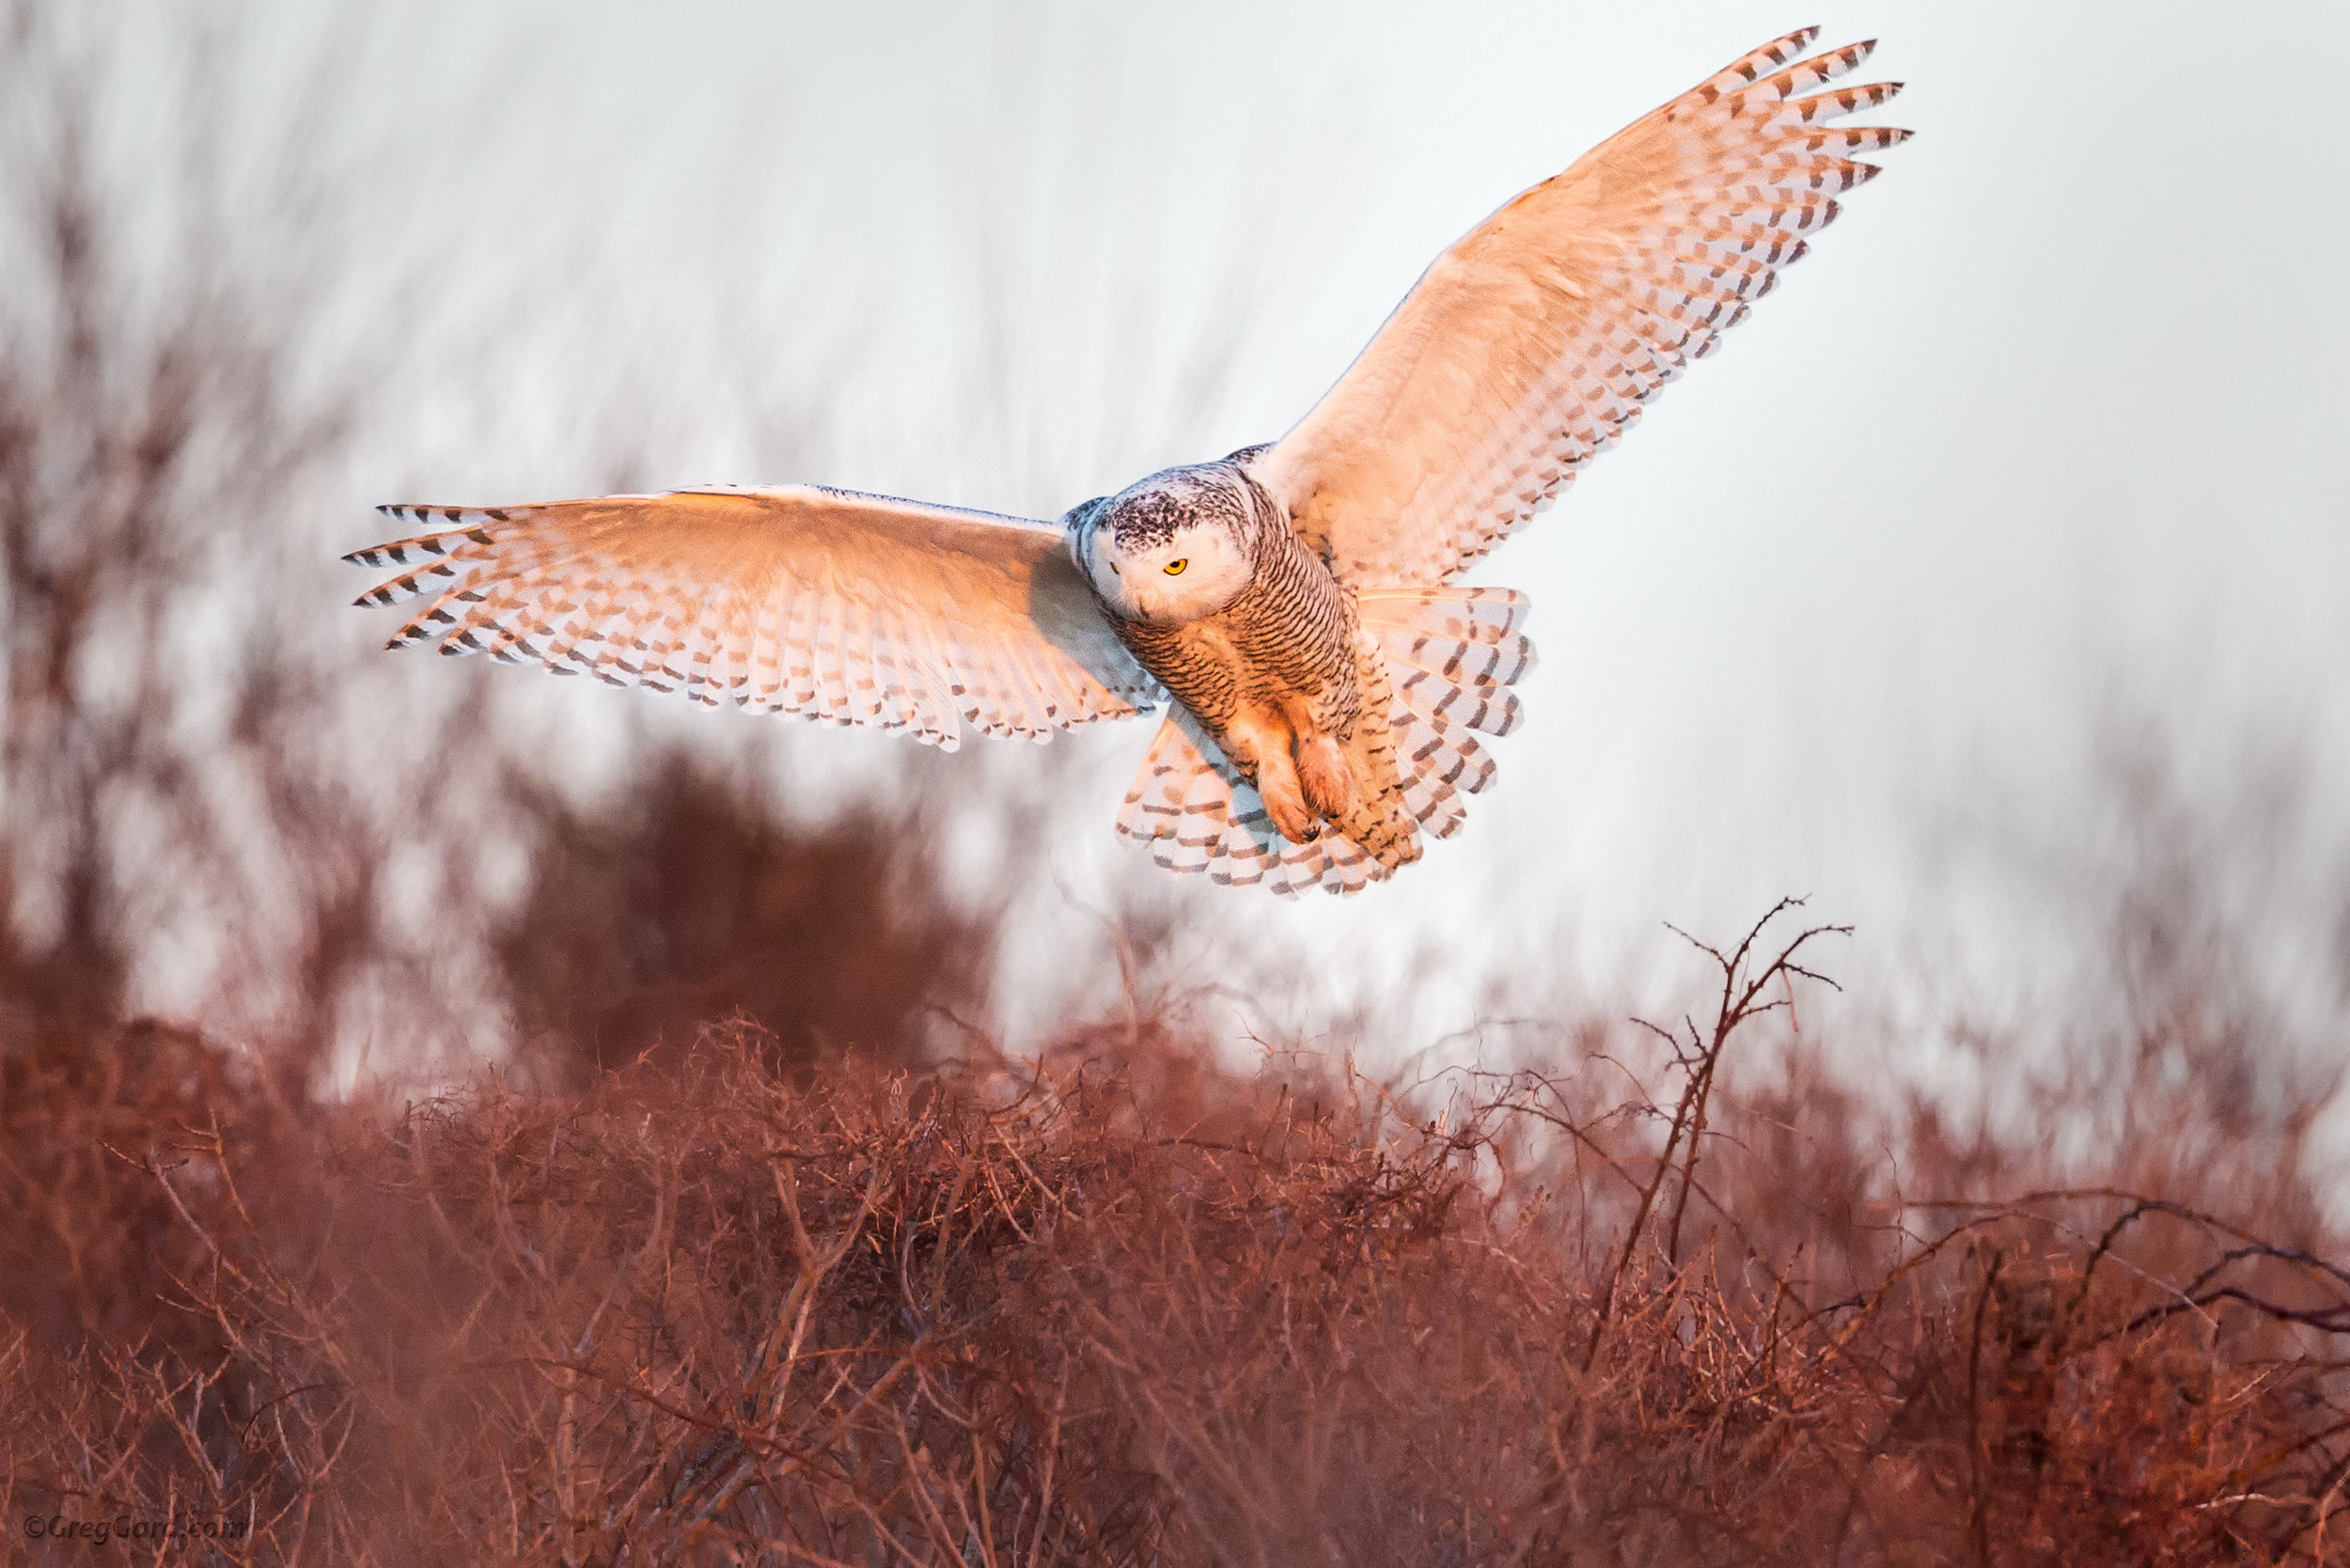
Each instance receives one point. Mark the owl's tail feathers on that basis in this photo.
(1192, 810)
(1450, 655)
(1447, 657)
(1454, 651)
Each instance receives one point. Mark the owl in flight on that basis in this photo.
(1293, 605)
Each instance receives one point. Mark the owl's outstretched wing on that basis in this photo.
(827, 604)
(1530, 345)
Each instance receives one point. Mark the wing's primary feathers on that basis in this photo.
(1531, 345)
(828, 603)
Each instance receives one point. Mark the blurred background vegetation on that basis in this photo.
(253, 289)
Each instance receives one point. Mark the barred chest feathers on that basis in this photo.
(1204, 581)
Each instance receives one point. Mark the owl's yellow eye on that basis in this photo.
(1175, 567)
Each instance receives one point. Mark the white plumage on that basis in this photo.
(826, 604)
(1531, 345)
(1292, 604)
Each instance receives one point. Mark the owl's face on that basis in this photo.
(1171, 548)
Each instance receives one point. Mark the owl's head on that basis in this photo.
(1177, 546)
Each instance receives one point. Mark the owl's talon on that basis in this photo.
(1324, 779)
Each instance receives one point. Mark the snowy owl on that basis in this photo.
(1293, 605)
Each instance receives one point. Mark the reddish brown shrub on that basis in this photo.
(1126, 1306)
(686, 899)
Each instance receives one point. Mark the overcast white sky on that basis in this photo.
(2050, 420)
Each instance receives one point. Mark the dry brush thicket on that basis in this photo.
(1126, 1304)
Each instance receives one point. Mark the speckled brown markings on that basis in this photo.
(1277, 676)
(1190, 807)
(1301, 675)
(1285, 639)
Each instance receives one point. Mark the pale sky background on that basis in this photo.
(2048, 426)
